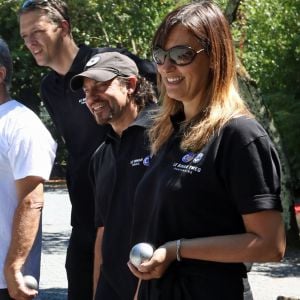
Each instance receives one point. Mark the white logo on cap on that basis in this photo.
(92, 61)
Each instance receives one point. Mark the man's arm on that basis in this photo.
(97, 257)
(25, 227)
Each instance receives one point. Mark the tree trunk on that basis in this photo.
(251, 94)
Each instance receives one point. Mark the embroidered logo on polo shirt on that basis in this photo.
(82, 101)
(188, 157)
(198, 157)
(188, 163)
(146, 161)
(143, 161)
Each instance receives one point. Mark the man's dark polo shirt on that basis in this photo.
(79, 129)
(118, 165)
(80, 132)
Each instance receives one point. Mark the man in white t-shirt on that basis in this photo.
(27, 152)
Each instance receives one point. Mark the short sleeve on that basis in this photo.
(254, 177)
(94, 173)
(32, 149)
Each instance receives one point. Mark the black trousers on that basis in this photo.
(4, 295)
(106, 291)
(79, 264)
(187, 281)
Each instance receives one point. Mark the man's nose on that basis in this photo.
(91, 99)
(29, 41)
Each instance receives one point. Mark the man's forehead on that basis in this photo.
(40, 23)
(35, 18)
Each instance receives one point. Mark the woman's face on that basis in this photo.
(185, 83)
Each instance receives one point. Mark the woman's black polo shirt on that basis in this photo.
(188, 194)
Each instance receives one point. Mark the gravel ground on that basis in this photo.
(268, 281)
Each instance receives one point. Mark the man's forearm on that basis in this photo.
(25, 228)
(25, 223)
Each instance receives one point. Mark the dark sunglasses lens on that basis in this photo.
(182, 55)
(159, 56)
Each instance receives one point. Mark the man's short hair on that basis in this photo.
(56, 10)
(6, 62)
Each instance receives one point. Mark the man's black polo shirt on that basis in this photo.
(80, 132)
(117, 166)
(79, 129)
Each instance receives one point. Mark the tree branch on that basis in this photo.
(231, 9)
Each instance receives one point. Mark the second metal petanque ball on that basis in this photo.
(31, 282)
(140, 252)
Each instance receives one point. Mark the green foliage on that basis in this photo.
(222, 3)
(286, 111)
(26, 74)
(266, 32)
(267, 35)
(115, 23)
(129, 24)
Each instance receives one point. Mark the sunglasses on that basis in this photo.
(178, 55)
(33, 3)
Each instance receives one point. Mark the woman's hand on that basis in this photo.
(157, 265)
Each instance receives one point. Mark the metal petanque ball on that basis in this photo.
(140, 252)
(31, 282)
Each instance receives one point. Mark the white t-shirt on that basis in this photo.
(26, 149)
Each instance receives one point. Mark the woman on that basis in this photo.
(211, 199)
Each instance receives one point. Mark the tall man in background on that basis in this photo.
(46, 30)
(27, 152)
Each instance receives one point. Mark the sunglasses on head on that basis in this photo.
(179, 55)
(32, 3)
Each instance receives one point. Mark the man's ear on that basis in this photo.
(2, 74)
(65, 26)
(131, 84)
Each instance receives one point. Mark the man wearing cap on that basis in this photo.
(116, 95)
(45, 27)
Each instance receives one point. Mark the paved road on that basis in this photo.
(268, 281)
(56, 231)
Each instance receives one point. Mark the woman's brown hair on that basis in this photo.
(222, 101)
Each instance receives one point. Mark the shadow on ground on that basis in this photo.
(52, 294)
(288, 267)
(55, 243)
(58, 186)
(56, 189)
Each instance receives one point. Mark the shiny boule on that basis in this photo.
(31, 282)
(140, 252)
